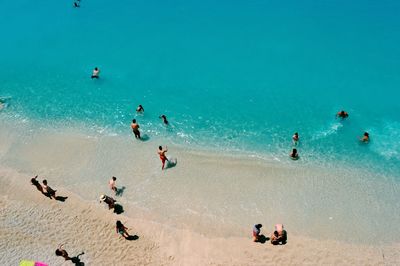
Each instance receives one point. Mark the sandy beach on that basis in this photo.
(200, 212)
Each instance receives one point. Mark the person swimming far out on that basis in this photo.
(135, 129)
(342, 114)
(365, 137)
(96, 73)
(140, 109)
(295, 138)
(294, 155)
(164, 118)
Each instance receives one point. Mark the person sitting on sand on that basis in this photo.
(365, 138)
(48, 191)
(61, 252)
(161, 152)
(112, 184)
(342, 114)
(135, 129)
(96, 73)
(256, 232)
(140, 109)
(279, 236)
(164, 118)
(295, 138)
(121, 229)
(36, 183)
(294, 155)
(108, 200)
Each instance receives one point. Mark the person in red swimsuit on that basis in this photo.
(163, 157)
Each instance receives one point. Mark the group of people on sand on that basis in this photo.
(294, 155)
(278, 236)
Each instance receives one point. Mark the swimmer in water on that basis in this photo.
(135, 129)
(365, 138)
(140, 109)
(76, 4)
(161, 152)
(164, 118)
(295, 138)
(342, 114)
(95, 74)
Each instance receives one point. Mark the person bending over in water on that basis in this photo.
(295, 138)
(112, 184)
(121, 229)
(279, 236)
(365, 138)
(163, 157)
(342, 114)
(108, 200)
(256, 232)
(48, 191)
(294, 155)
(95, 74)
(61, 252)
(140, 109)
(164, 118)
(135, 129)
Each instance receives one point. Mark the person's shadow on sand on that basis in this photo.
(171, 163)
(262, 239)
(77, 261)
(130, 238)
(144, 137)
(118, 209)
(120, 191)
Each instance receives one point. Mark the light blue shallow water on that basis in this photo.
(229, 75)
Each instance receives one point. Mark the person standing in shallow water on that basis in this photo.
(135, 129)
(164, 118)
(96, 73)
(295, 138)
(140, 109)
(161, 152)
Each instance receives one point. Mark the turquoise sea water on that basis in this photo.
(230, 75)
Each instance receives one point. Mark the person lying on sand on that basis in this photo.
(121, 229)
(110, 201)
(161, 152)
(62, 252)
(48, 191)
(256, 232)
(279, 236)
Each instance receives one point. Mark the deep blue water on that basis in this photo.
(229, 75)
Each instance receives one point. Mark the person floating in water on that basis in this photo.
(342, 114)
(164, 118)
(365, 138)
(295, 138)
(161, 152)
(135, 129)
(140, 109)
(96, 73)
(76, 4)
(294, 155)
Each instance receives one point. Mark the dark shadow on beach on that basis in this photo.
(120, 191)
(144, 137)
(77, 261)
(262, 239)
(61, 198)
(171, 163)
(118, 209)
(130, 238)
